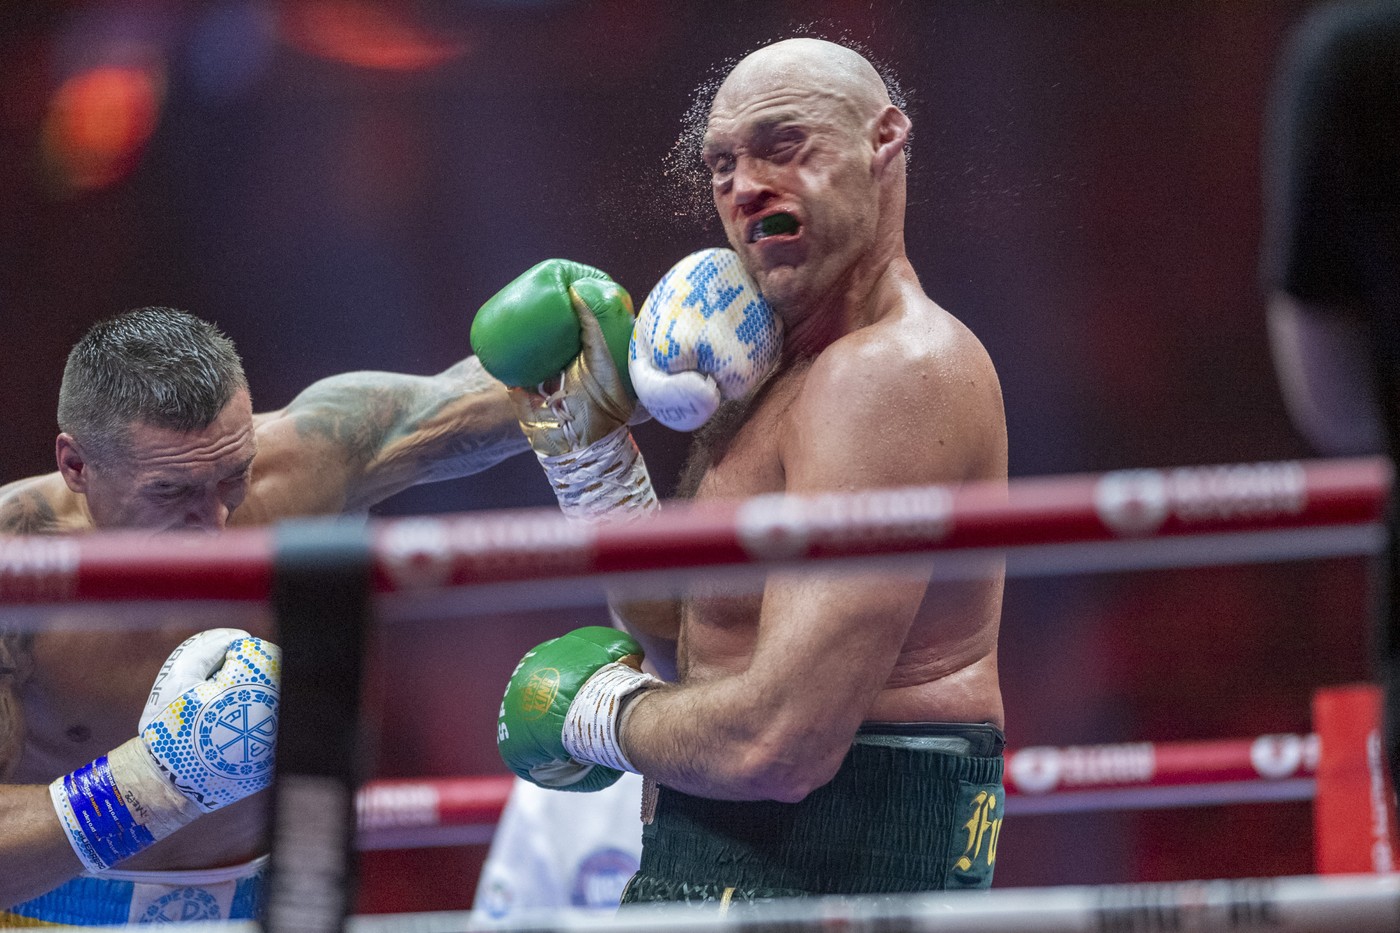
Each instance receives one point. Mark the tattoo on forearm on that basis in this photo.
(426, 425)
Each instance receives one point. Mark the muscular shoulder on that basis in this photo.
(40, 505)
(913, 398)
(293, 474)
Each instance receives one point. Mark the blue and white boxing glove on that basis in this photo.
(207, 737)
(704, 335)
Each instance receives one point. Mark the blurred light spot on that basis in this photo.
(97, 125)
(229, 48)
(368, 35)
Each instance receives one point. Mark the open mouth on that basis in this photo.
(773, 225)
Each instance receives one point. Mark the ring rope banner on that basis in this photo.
(1306, 904)
(413, 813)
(1223, 514)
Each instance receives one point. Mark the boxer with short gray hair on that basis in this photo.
(836, 734)
(158, 433)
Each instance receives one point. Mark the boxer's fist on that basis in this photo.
(530, 331)
(704, 335)
(207, 738)
(557, 337)
(558, 720)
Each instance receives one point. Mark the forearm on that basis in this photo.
(453, 424)
(729, 739)
(776, 724)
(390, 431)
(35, 855)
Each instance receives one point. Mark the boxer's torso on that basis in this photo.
(946, 670)
(75, 692)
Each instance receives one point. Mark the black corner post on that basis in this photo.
(322, 598)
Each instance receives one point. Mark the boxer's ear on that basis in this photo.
(72, 462)
(891, 134)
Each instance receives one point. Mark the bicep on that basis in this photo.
(389, 431)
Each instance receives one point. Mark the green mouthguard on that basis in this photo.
(778, 224)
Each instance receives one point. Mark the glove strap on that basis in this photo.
(118, 805)
(590, 726)
(608, 479)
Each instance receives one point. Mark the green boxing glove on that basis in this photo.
(558, 721)
(558, 338)
(530, 331)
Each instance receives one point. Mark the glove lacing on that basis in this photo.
(607, 479)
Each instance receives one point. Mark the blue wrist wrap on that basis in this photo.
(109, 831)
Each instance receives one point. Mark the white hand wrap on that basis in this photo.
(590, 726)
(605, 481)
(704, 335)
(207, 737)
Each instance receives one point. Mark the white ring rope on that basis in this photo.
(1306, 904)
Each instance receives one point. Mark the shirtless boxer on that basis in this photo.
(838, 733)
(199, 460)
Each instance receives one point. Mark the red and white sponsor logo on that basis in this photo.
(1281, 756)
(427, 552)
(38, 568)
(521, 545)
(417, 554)
(391, 806)
(1132, 502)
(1139, 502)
(779, 527)
(1041, 769)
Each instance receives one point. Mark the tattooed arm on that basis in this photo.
(352, 440)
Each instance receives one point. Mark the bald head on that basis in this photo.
(808, 67)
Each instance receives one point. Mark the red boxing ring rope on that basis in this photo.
(410, 813)
(1131, 518)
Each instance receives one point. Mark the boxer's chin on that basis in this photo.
(781, 285)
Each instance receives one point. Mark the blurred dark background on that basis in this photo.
(339, 185)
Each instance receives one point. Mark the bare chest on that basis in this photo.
(87, 689)
(86, 694)
(743, 454)
(720, 617)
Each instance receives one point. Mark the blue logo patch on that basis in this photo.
(601, 877)
(237, 730)
(184, 905)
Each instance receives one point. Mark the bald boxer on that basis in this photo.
(837, 733)
(158, 433)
